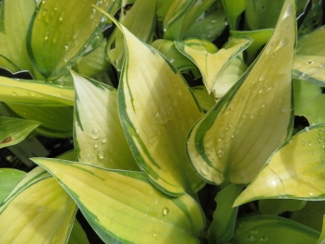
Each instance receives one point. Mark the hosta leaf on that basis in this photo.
(229, 76)
(272, 229)
(278, 206)
(294, 171)
(55, 121)
(78, 235)
(222, 227)
(14, 21)
(168, 49)
(321, 239)
(262, 14)
(211, 63)
(32, 92)
(205, 100)
(94, 62)
(235, 138)
(174, 18)
(309, 101)
(140, 20)
(233, 9)
(123, 207)
(9, 178)
(157, 109)
(311, 215)
(13, 130)
(51, 31)
(38, 212)
(99, 137)
(310, 57)
(208, 28)
(259, 37)
(313, 18)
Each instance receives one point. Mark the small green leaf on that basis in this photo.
(55, 121)
(262, 14)
(278, 206)
(309, 101)
(311, 215)
(222, 227)
(99, 138)
(272, 229)
(205, 100)
(209, 61)
(233, 9)
(9, 178)
(236, 137)
(294, 171)
(51, 31)
(123, 207)
(38, 210)
(15, 130)
(78, 235)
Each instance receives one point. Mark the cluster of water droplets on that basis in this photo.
(254, 236)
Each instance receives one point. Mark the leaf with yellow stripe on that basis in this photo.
(33, 92)
(123, 207)
(295, 171)
(236, 137)
(157, 108)
(211, 61)
(38, 210)
(99, 138)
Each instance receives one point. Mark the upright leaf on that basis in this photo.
(99, 138)
(157, 109)
(295, 171)
(14, 21)
(235, 138)
(123, 207)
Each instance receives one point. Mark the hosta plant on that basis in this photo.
(192, 121)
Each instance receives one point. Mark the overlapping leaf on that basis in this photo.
(309, 101)
(295, 171)
(209, 61)
(15, 18)
(99, 137)
(157, 109)
(235, 138)
(9, 178)
(13, 130)
(310, 58)
(32, 92)
(38, 210)
(51, 32)
(122, 206)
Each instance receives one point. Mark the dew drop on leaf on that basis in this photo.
(165, 211)
(101, 155)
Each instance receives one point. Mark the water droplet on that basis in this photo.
(41, 208)
(96, 145)
(320, 132)
(310, 62)
(251, 238)
(172, 60)
(313, 153)
(286, 109)
(307, 129)
(213, 21)
(303, 143)
(322, 64)
(165, 211)
(310, 144)
(104, 140)
(179, 92)
(101, 155)
(94, 133)
(264, 239)
(14, 94)
(254, 232)
(154, 235)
